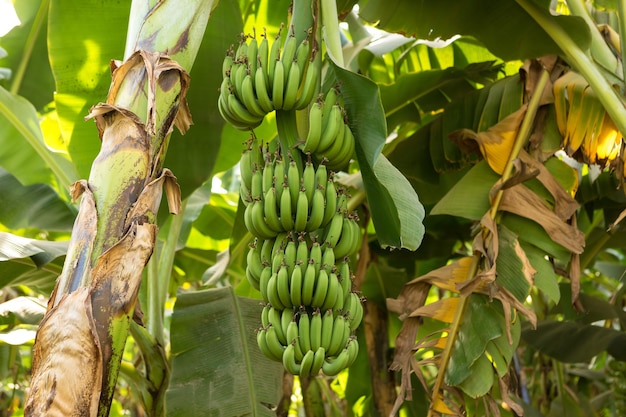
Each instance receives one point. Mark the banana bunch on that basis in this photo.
(258, 78)
(589, 134)
(328, 135)
(279, 198)
(311, 310)
(299, 260)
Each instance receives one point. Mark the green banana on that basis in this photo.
(308, 179)
(265, 315)
(330, 196)
(274, 58)
(346, 241)
(271, 214)
(289, 360)
(315, 129)
(253, 50)
(227, 64)
(339, 336)
(261, 90)
(273, 343)
(321, 288)
(315, 256)
(317, 210)
(304, 329)
(333, 293)
(289, 52)
(311, 84)
(241, 114)
(293, 181)
(245, 168)
(275, 317)
(345, 153)
(258, 220)
(278, 85)
(332, 367)
(282, 286)
(286, 217)
(295, 287)
(328, 258)
(316, 330)
(264, 281)
(330, 130)
(272, 293)
(333, 230)
(320, 355)
(306, 364)
(292, 86)
(327, 327)
(308, 283)
(291, 254)
(353, 351)
(302, 212)
(266, 251)
(355, 312)
(261, 339)
(292, 331)
(262, 55)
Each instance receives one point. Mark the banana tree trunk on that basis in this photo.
(79, 344)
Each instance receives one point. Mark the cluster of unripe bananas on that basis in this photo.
(258, 78)
(300, 262)
(328, 135)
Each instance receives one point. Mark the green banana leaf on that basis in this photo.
(396, 210)
(36, 205)
(81, 45)
(37, 84)
(502, 26)
(217, 368)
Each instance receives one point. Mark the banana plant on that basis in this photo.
(75, 367)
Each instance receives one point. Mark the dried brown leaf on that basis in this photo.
(442, 310)
(523, 202)
(67, 361)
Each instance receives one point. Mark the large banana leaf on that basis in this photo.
(217, 368)
(503, 26)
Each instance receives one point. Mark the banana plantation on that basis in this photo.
(312, 208)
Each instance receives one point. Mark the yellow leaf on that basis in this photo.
(442, 310)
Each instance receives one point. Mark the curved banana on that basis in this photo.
(292, 86)
(346, 241)
(315, 256)
(282, 286)
(339, 336)
(314, 134)
(345, 153)
(317, 210)
(321, 288)
(270, 211)
(311, 83)
(316, 330)
(274, 58)
(241, 113)
(258, 220)
(353, 351)
(286, 218)
(261, 339)
(245, 168)
(262, 55)
(308, 284)
(330, 130)
(332, 366)
(253, 50)
(304, 329)
(264, 281)
(295, 287)
(291, 254)
(261, 90)
(333, 230)
(227, 64)
(327, 328)
(289, 360)
(293, 181)
(356, 313)
(330, 196)
(292, 331)
(307, 364)
(308, 179)
(272, 293)
(278, 85)
(289, 52)
(328, 258)
(302, 212)
(273, 343)
(320, 355)
(266, 251)
(275, 317)
(334, 292)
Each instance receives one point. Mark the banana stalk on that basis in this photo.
(520, 141)
(79, 344)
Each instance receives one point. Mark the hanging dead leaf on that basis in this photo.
(67, 361)
(523, 202)
(442, 310)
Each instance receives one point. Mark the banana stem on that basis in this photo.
(288, 135)
(332, 36)
(607, 95)
(621, 8)
(599, 49)
(522, 136)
